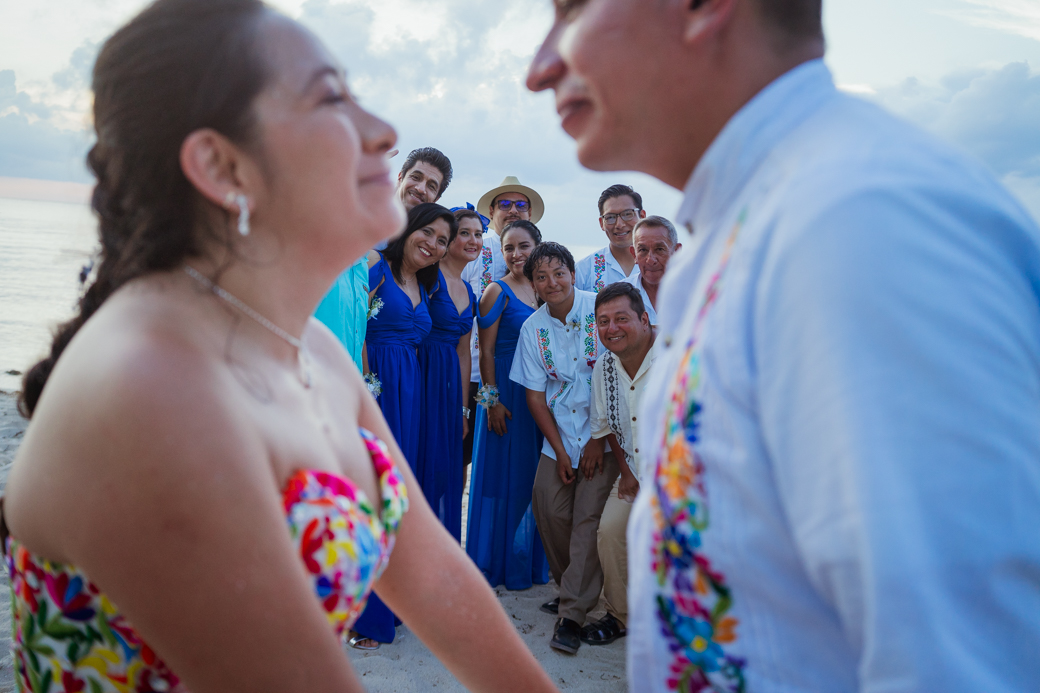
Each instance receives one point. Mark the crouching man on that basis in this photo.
(618, 382)
(556, 351)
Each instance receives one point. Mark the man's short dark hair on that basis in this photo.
(796, 19)
(620, 290)
(433, 157)
(617, 191)
(545, 252)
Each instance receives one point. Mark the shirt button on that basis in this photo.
(668, 341)
(637, 449)
(579, 440)
(632, 388)
(633, 418)
(575, 359)
(574, 411)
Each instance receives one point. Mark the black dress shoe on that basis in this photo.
(552, 607)
(566, 637)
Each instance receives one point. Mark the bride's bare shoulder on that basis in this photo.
(130, 413)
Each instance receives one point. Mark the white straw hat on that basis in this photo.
(511, 184)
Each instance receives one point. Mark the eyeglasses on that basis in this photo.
(627, 215)
(505, 205)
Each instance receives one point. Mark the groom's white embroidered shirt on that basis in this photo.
(843, 484)
(557, 358)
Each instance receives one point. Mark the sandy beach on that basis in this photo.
(405, 666)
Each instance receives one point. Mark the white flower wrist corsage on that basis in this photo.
(487, 396)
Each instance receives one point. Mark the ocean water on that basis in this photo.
(43, 246)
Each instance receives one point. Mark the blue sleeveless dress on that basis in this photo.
(501, 536)
(439, 467)
(392, 338)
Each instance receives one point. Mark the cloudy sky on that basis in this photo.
(449, 73)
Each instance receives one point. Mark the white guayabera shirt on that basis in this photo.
(600, 269)
(557, 358)
(615, 403)
(844, 489)
(488, 268)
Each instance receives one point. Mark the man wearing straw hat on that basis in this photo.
(510, 201)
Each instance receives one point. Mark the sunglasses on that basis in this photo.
(505, 205)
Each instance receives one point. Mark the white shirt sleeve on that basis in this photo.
(897, 338)
(527, 367)
(583, 274)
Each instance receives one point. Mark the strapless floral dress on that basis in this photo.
(68, 636)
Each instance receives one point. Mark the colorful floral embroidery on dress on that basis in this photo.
(343, 541)
(545, 348)
(599, 267)
(693, 600)
(68, 636)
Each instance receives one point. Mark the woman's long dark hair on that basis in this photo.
(178, 66)
(420, 217)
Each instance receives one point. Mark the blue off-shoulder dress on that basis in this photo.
(391, 341)
(439, 467)
(501, 536)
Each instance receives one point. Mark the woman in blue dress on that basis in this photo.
(445, 363)
(400, 280)
(501, 536)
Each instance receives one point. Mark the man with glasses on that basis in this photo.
(654, 241)
(620, 207)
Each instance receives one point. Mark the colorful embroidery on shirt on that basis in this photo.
(599, 267)
(559, 393)
(546, 351)
(591, 340)
(693, 600)
(487, 261)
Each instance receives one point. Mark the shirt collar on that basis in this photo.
(749, 137)
(612, 261)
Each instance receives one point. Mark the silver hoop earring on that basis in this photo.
(243, 213)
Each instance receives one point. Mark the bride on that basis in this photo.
(206, 493)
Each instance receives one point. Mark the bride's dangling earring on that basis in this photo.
(242, 202)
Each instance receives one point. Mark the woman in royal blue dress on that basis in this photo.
(501, 536)
(400, 280)
(445, 363)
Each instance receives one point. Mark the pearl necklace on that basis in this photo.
(235, 302)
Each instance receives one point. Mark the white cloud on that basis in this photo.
(459, 86)
(1021, 17)
(993, 113)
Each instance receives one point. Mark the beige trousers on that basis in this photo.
(568, 516)
(613, 554)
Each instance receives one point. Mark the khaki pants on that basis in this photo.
(568, 516)
(613, 554)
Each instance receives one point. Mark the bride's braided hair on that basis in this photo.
(178, 66)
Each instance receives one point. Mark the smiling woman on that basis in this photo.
(204, 469)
